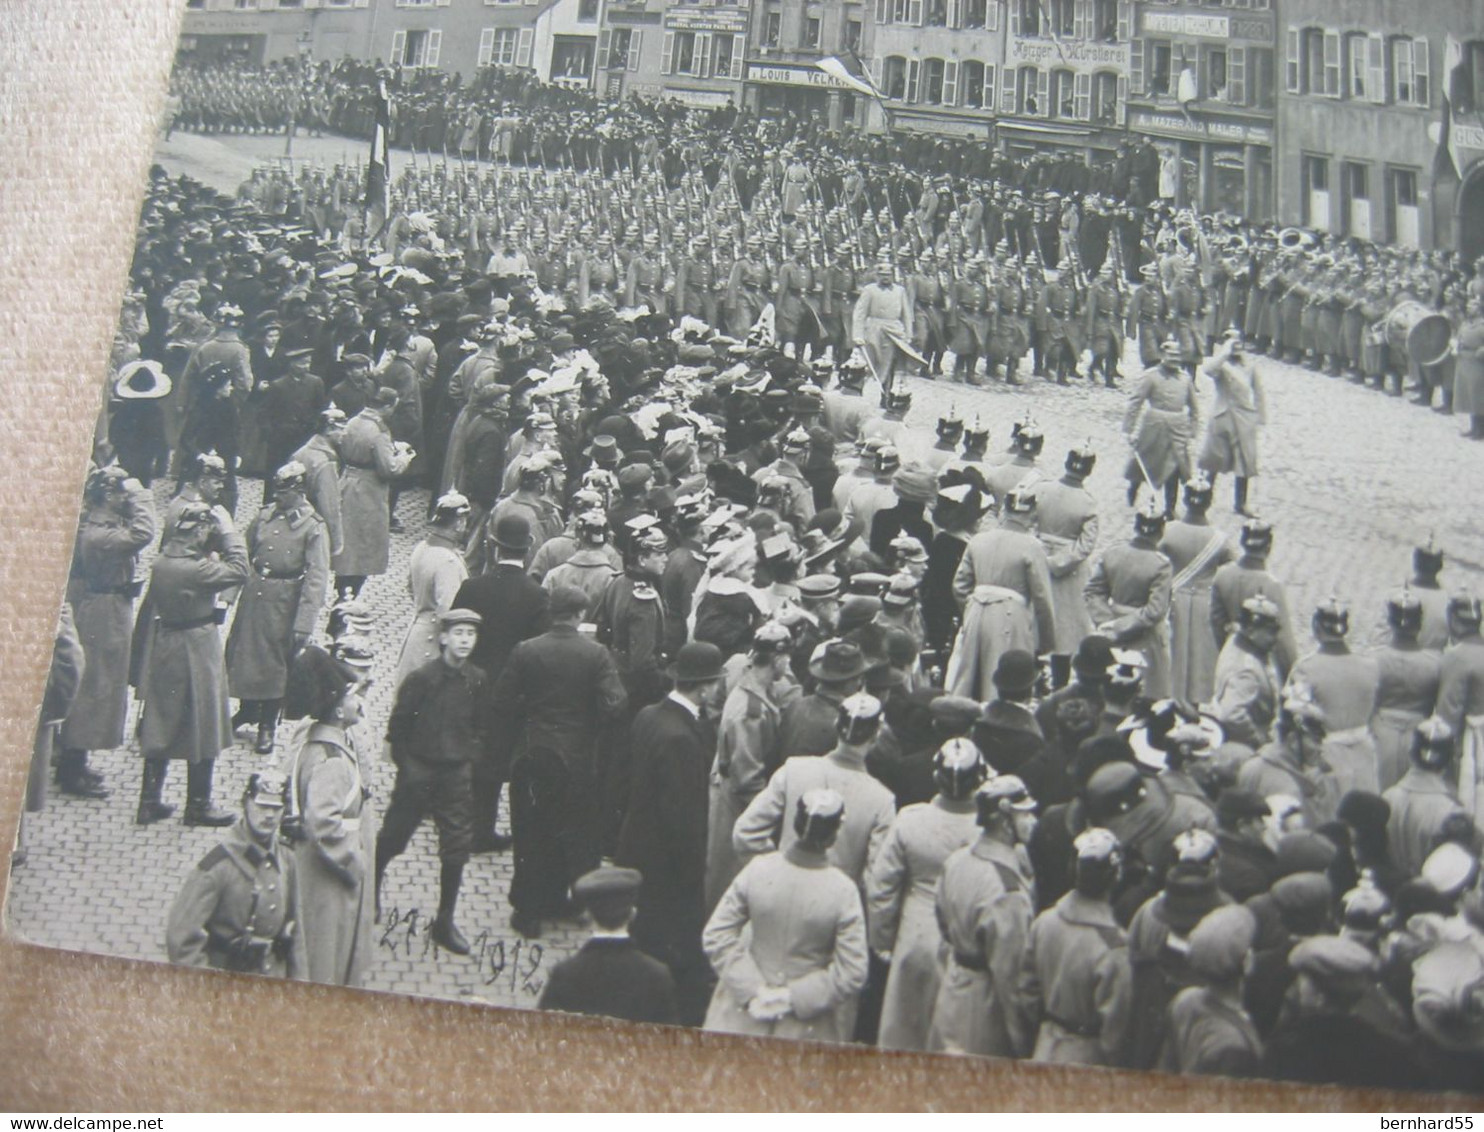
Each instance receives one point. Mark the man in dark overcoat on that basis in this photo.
(513, 606)
(664, 828)
(557, 694)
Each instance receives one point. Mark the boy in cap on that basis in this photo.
(609, 976)
(436, 732)
(1209, 1031)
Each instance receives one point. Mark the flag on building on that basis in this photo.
(1445, 163)
(378, 168)
(837, 70)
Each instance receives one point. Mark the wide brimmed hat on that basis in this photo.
(142, 380)
(837, 660)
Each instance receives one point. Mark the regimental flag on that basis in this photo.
(836, 69)
(379, 168)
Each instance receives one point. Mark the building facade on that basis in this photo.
(787, 38)
(938, 63)
(1202, 83)
(262, 31)
(1361, 120)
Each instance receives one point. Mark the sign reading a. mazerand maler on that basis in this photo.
(1069, 54)
(791, 76)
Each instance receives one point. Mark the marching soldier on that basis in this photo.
(1104, 324)
(970, 311)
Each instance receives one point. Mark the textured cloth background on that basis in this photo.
(80, 84)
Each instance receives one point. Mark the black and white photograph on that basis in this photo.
(942, 526)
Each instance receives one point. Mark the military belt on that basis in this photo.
(128, 589)
(1081, 1031)
(274, 576)
(194, 623)
(971, 962)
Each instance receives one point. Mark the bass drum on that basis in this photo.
(1423, 333)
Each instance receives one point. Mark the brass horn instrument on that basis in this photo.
(1295, 239)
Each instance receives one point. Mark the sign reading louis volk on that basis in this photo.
(750, 566)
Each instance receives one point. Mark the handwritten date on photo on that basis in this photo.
(517, 965)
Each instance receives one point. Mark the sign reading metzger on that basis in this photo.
(1067, 54)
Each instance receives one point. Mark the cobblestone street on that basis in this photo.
(1350, 478)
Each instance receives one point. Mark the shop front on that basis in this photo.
(803, 90)
(1212, 164)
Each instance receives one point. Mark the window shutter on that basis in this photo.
(992, 15)
(1421, 73)
(1007, 90)
(950, 82)
(636, 40)
(523, 48)
(955, 14)
(1080, 19)
(1375, 67)
(883, 11)
(1332, 63)
(667, 53)
(1136, 66)
(1082, 95)
(914, 12)
(987, 101)
(399, 48)
(487, 47)
(703, 55)
(1121, 110)
(605, 44)
(435, 47)
(1014, 17)
(1236, 75)
(1125, 20)
(1295, 82)
(914, 76)
(1043, 93)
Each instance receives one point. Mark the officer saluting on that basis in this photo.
(236, 909)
